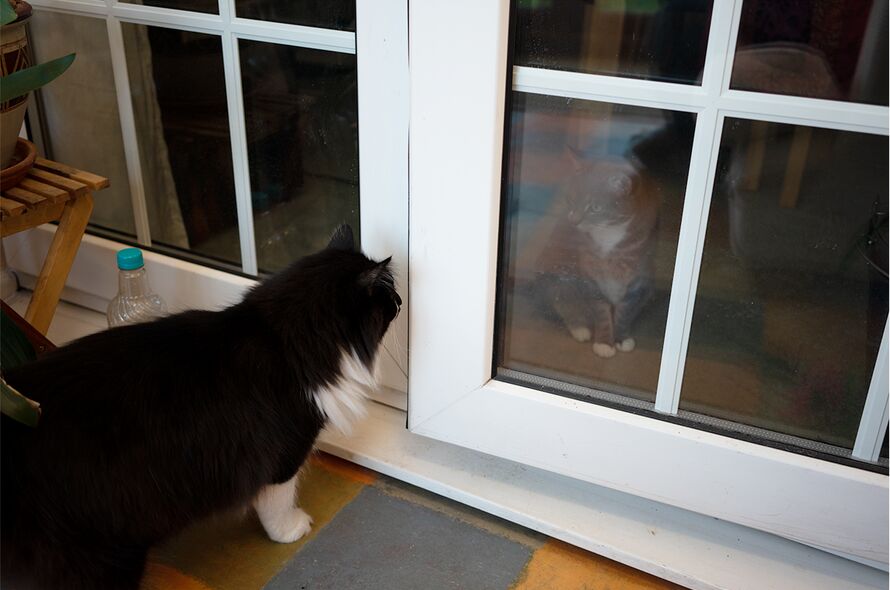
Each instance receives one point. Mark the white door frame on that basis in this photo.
(457, 117)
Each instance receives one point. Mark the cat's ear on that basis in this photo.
(342, 239)
(575, 158)
(378, 274)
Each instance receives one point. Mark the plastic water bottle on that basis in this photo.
(135, 301)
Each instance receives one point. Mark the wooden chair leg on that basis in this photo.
(797, 161)
(58, 262)
(754, 155)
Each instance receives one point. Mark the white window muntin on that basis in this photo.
(457, 119)
(380, 45)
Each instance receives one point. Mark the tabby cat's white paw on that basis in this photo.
(605, 351)
(580, 334)
(292, 527)
(626, 345)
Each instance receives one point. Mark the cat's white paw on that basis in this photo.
(626, 345)
(291, 527)
(580, 333)
(605, 351)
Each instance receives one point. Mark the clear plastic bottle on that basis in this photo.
(135, 301)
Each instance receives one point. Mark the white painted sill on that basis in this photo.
(687, 548)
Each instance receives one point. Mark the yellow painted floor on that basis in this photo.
(371, 531)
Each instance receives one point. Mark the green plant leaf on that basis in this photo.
(17, 406)
(24, 81)
(7, 14)
(16, 349)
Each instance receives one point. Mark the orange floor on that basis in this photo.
(371, 531)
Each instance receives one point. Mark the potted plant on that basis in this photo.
(17, 78)
(21, 343)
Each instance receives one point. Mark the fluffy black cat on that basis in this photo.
(147, 428)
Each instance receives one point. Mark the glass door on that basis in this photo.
(237, 134)
(666, 253)
(791, 299)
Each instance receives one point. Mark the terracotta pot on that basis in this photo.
(22, 160)
(10, 125)
(13, 57)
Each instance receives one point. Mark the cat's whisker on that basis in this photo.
(399, 346)
(396, 361)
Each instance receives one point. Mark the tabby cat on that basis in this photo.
(596, 268)
(148, 428)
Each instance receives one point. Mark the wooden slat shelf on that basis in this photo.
(11, 207)
(94, 181)
(47, 191)
(52, 191)
(73, 187)
(26, 197)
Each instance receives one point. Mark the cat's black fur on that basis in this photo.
(148, 428)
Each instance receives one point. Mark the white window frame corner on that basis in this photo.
(457, 117)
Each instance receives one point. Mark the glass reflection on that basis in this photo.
(82, 104)
(182, 126)
(819, 48)
(591, 214)
(208, 6)
(327, 14)
(792, 294)
(656, 40)
(301, 108)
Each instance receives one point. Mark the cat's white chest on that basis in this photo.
(344, 402)
(606, 237)
(613, 289)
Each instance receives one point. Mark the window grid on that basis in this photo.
(712, 102)
(240, 165)
(230, 29)
(128, 130)
(383, 143)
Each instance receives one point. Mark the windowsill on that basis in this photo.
(678, 545)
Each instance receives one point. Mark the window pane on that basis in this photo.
(302, 133)
(820, 48)
(179, 101)
(591, 215)
(209, 6)
(792, 295)
(644, 39)
(327, 14)
(82, 123)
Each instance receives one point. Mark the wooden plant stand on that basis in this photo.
(50, 192)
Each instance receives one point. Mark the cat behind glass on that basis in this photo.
(148, 428)
(596, 269)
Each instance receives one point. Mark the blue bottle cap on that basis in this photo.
(129, 259)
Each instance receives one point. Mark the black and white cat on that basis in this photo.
(148, 428)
